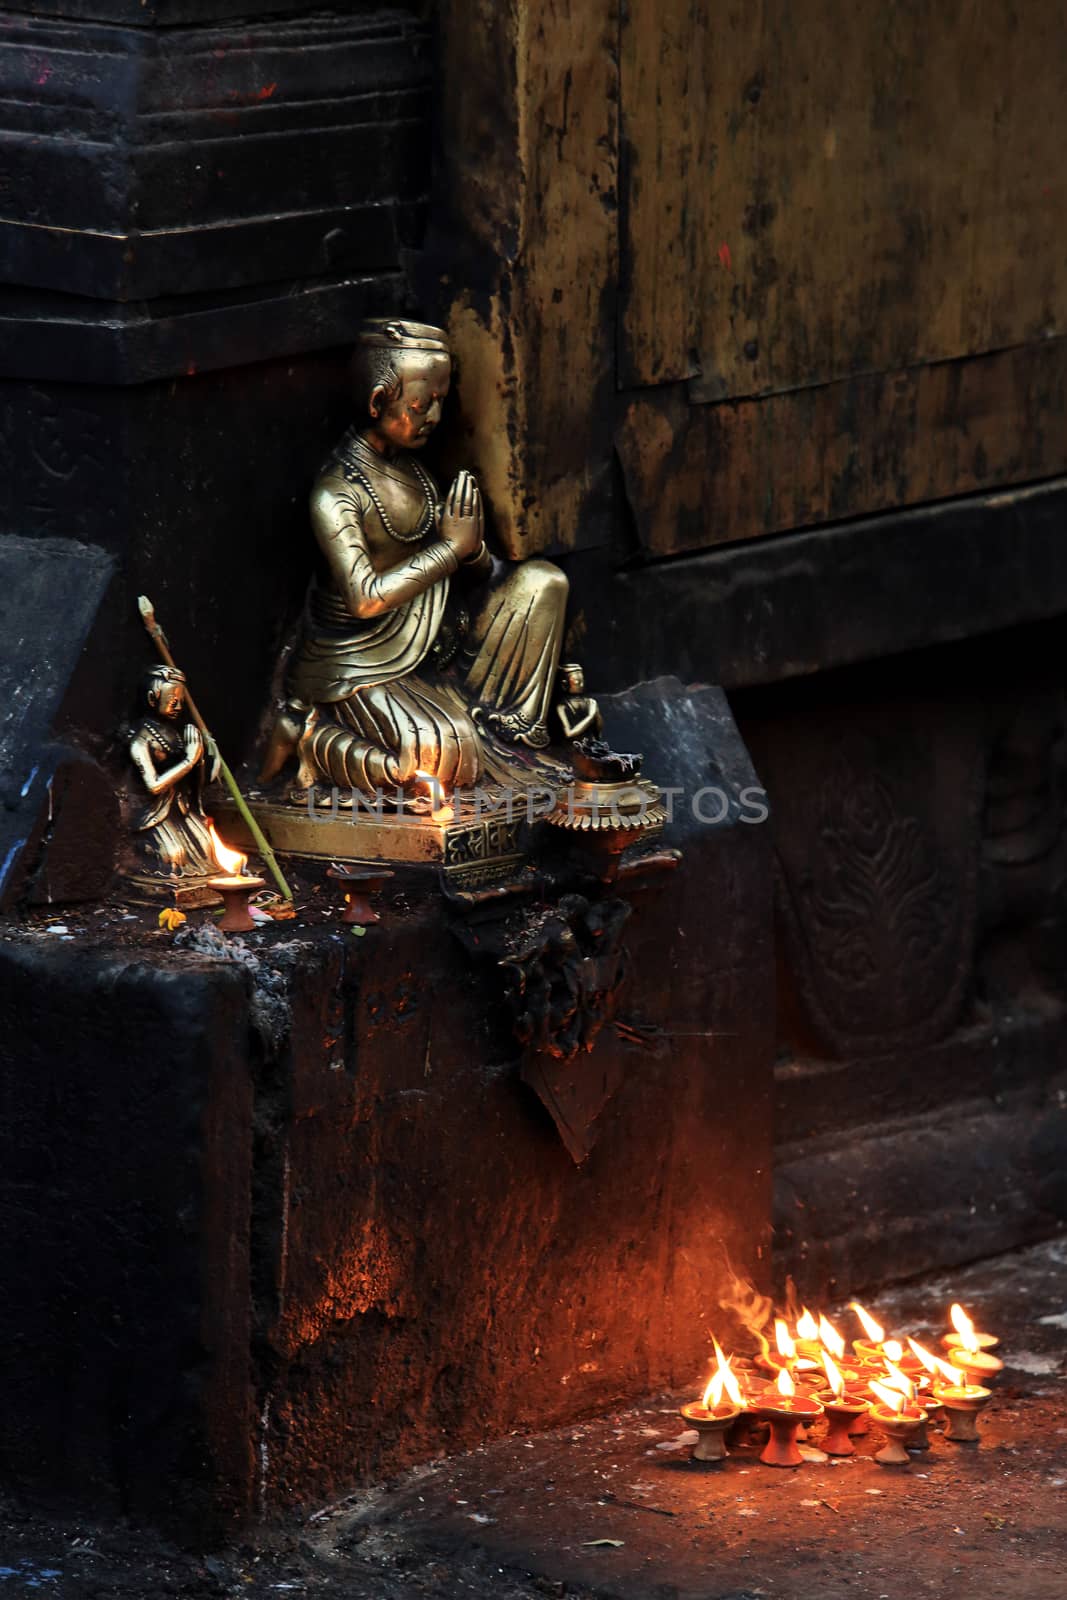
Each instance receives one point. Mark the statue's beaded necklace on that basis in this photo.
(166, 735)
(429, 515)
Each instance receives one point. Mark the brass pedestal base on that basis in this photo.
(185, 894)
(471, 843)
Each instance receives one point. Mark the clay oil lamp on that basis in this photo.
(235, 887)
(358, 884)
(966, 1335)
(843, 1409)
(961, 1401)
(786, 1411)
(932, 1410)
(900, 1417)
(914, 1387)
(977, 1365)
(748, 1430)
(855, 1374)
(713, 1415)
(931, 1405)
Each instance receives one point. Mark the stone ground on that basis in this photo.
(611, 1509)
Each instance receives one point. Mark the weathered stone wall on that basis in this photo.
(290, 1226)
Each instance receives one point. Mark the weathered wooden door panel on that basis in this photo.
(830, 187)
(701, 475)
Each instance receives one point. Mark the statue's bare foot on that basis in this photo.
(512, 727)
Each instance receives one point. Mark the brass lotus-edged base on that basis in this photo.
(474, 840)
(628, 808)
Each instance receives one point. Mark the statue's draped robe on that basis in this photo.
(447, 672)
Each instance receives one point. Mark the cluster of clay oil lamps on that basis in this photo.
(807, 1375)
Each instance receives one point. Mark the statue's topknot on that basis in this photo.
(378, 342)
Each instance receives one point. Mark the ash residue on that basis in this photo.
(269, 1009)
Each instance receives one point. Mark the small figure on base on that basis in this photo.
(577, 713)
(174, 848)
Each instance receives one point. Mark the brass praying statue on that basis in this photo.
(174, 846)
(421, 655)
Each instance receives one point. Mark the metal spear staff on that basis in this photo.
(159, 639)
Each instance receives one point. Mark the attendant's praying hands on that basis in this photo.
(463, 517)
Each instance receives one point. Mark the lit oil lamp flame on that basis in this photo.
(930, 1362)
(786, 1386)
(440, 809)
(722, 1382)
(713, 1393)
(833, 1375)
(952, 1375)
(895, 1379)
(231, 861)
(874, 1330)
(892, 1349)
(732, 1387)
(965, 1328)
(892, 1399)
(807, 1327)
(830, 1339)
(784, 1341)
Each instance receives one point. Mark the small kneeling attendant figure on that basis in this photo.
(172, 830)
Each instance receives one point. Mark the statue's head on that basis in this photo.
(165, 690)
(572, 678)
(400, 377)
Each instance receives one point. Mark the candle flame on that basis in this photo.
(874, 1331)
(964, 1327)
(833, 1374)
(830, 1338)
(231, 861)
(782, 1338)
(807, 1327)
(892, 1398)
(785, 1383)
